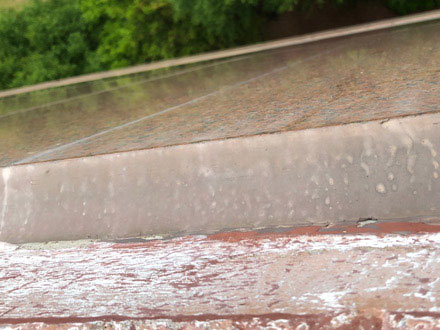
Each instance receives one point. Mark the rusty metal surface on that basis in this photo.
(241, 280)
(365, 77)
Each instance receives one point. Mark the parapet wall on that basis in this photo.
(381, 170)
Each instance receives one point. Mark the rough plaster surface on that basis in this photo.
(384, 170)
(226, 281)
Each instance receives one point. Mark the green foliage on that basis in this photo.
(51, 39)
(13, 46)
(46, 40)
(408, 6)
(221, 23)
(137, 31)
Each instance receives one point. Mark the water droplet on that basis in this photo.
(411, 162)
(393, 150)
(365, 168)
(380, 188)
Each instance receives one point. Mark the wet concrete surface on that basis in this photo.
(329, 175)
(365, 77)
(237, 280)
(325, 132)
